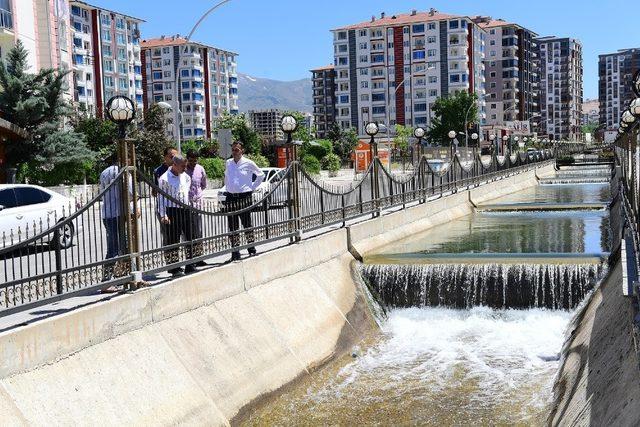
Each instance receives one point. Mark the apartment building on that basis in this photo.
(560, 87)
(392, 69)
(615, 71)
(267, 124)
(106, 56)
(511, 74)
(43, 28)
(208, 82)
(323, 80)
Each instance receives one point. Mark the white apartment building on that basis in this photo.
(615, 71)
(392, 69)
(106, 56)
(208, 82)
(560, 87)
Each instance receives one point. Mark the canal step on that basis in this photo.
(500, 286)
(520, 207)
(420, 258)
(592, 180)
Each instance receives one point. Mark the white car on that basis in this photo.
(272, 178)
(23, 205)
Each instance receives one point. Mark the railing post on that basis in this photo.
(58, 256)
(296, 194)
(321, 207)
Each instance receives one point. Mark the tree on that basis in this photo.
(99, 133)
(151, 138)
(35, 103)
(345, 143)
(302, 133)
(401, 140)
(241, 131)
(449, 114)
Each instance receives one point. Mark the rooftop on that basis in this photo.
(89, 5)
(324, 68)
(402, 19)
(176, 40)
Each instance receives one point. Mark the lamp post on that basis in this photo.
(419, 133)
(474, 138)
(505, 140)
(492, 139)
(454, 146)
(121, 111)
(289, 125)
(177, 76)
(372, 129)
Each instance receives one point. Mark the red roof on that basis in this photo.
(495, 23)
(163, 41)
(402, 19)
(324, 68)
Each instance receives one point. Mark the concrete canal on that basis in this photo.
(476, 313)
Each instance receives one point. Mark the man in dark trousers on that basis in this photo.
(240, 184)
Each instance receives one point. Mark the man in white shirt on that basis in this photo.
(240, 183)
(175, 216)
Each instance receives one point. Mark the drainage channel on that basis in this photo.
(477, 312)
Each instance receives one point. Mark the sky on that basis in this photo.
(284, 39)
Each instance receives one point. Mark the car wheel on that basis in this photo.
(64, 238)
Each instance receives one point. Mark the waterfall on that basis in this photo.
(593, 180)
(554, 286)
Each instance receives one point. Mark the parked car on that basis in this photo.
(272, 178)
(23, 205)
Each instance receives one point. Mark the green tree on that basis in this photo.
(346, 143)
(241, 131)
(151, 137)
(334, 133)
(99, 133)
(401, 140)
(449, 114)
(34, 102)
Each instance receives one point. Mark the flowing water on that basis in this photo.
(478, 313)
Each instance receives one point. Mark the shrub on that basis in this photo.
(61, 174)
(260, 160)
(311, 164)
(331, 162)
(320, 149)
(213, 166)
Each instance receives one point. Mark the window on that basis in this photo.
(375, 97)
(364, 58)
(420, 107)
(492, 42)
(344, 99)
(343, 61)
(377, 58)
(364, 85)
(492, 74)
(433, 79)
(185, 85)
(454, 78)
(454, 24)
(157, 75)
(168, 85)
(363, 45)
(364, 71)
(122, 68)
(120, 23)
(108, 81)
(431, 39)
(418, 54)
(184, 73)
(342, 48)
(106, 36)
(106, 50)
(122, 84)
(378, 85)
(378, 110)
(186, 97)
(157, 87)
(122, 54)
(364, 97)
(433, 92)
(342, 35)
(108, 65)
(105, 19)
(166, 73)
(431, 53)
(362, 33)
(418, 28)
(431, 26)
(121, 39)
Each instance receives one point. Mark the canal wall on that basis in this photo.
(206, 348)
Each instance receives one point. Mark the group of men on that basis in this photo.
(181, 183)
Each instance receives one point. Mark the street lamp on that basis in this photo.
(492, 139)
(372, 130)
(634, 107)
(454, 142)
(627, 117)
(121, 110)
(288, 124)
(505, 143)
(419, 133)
(177, 71)
(636, 83)
(474, 138)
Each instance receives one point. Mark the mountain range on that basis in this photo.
(256, 93)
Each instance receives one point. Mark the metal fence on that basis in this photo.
(115, 237)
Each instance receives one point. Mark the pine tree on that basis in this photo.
(35, 103)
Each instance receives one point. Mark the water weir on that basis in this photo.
(553, 286)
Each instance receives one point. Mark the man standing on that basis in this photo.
(198, 184)
(240, 184)
(175, 216)
(168, 155)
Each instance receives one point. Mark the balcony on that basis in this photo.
(6, 24)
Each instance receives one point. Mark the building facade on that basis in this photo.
(560, 87)
(392, 69)
(323, 81)
(106, 56)
(43, 28)
(267, 124)
(615, 71)
(511, 74)
(208, 82)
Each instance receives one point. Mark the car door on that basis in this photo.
(8, 221)
(32, 207)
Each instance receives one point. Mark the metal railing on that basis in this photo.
(115, 236)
